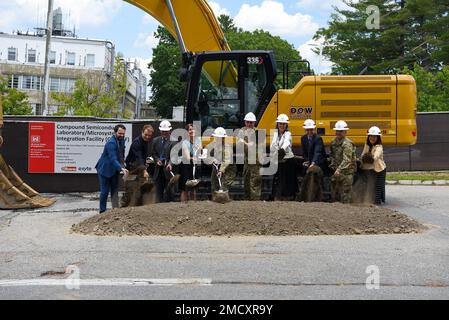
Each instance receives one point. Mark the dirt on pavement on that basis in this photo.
(206, 218)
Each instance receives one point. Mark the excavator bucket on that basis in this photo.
(16, 194)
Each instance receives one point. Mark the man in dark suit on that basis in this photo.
(109, 166)
(136, 163)
(312, 147)
(161, 147)
(314, 163)
(140, 149)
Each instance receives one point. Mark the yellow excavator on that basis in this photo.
(14, 193)
(223, 85)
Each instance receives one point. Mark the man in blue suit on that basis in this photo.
(109, 166)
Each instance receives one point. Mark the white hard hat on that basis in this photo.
(250, 117)
(282, 118)
(219, 133)
(309, 124)
(341, 126)
(374, 131)
(165, 125)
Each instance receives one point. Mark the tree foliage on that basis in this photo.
(410, 32)
(433, 88)
(168, 91)
(14, 102)
(95, 96)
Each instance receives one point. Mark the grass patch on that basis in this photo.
(418, 175)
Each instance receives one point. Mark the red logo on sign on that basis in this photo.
(41, 147)
(71, 169)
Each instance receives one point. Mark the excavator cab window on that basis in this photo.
(222, 90)
(218, 94)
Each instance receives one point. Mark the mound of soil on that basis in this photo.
(206, 218)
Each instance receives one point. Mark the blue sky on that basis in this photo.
(132, 30)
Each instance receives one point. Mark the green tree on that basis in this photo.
(14, 102)
(168, 91)
(432, 87)
(94, 95)
(410, 31)
(226, 23)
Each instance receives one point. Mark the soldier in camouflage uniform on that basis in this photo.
(343, 162)
(227, 170)
(251, 169)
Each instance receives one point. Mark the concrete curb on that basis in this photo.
(418, 182)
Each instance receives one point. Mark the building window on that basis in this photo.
(13, 81)
(12, 54)
(54, 84)
(32, 83)
(71, 58)
(71, 85)
(52, 57)
(27, 81)
(31, 55)
(90, 60)
(37, 109)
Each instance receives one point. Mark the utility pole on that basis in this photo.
(47, 57)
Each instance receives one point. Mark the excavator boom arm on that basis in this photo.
(199, 28)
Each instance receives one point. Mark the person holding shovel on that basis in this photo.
(281, 146)
(188, 168)
(136, 163)
(373, 161)
(251, 168)
(161, 147)
(223, 170)
(343, 163)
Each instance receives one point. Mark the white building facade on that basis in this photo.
(22, 59)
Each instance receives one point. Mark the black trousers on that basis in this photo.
(380, 187)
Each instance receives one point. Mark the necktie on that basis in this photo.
(310, 148)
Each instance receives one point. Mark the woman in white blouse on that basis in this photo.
(281, 146)
(373, 160)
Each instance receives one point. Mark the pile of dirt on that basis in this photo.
(206, 218)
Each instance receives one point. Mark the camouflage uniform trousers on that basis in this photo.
(252, 181)
(341, 187)
(227, 178)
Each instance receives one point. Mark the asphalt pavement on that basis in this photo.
(41, 259)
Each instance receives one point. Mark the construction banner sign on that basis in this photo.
(69, 147)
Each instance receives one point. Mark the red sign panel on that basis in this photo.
(41, 150)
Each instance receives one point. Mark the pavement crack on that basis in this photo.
(335, 284)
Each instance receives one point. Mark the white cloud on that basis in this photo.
(306, 52)
(326, 6)
(147, 41)
(218, 9)
(271, 16)
(27, 14)
(148, 19)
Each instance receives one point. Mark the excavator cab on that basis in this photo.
(224, 86)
